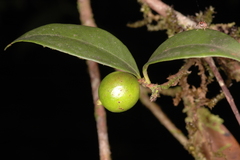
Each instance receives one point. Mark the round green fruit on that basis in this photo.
(119, 91)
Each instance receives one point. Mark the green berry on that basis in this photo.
(119, 91)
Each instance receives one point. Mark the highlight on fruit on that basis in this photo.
(119, 91)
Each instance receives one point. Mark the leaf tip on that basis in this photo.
(7, 46)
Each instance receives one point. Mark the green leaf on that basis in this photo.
(84, 42)
(196, 44)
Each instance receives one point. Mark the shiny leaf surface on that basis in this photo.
(84, 42)
(196, 44)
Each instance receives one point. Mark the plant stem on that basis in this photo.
(225, 90)
(86, 18)
(163, 119)
(162, 8)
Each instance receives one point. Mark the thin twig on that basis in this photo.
(162, 8)
(159, 114)
(86, 18)
(225, 90)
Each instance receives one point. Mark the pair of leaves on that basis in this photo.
(100, 46)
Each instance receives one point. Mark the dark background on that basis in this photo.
(46, 108)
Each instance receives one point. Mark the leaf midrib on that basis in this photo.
(214, 46)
